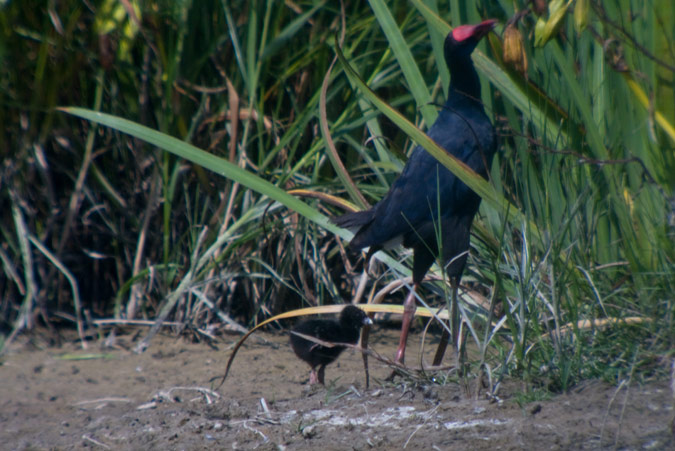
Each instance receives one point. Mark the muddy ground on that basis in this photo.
(67, 398)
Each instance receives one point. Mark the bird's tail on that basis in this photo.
(353, 221)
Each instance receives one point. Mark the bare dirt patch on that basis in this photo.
(162, 400)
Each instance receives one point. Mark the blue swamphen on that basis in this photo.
(427, 201)
(345, 330)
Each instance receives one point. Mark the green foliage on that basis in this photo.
(578, 223)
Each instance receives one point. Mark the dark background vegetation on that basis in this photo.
(98, 225)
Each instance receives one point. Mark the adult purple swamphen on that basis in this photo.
(428, 201)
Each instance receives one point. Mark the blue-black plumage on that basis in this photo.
(426, 197)
(345, 330)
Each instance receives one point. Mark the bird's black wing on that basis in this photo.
(415, 196)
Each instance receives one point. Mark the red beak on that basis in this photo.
(477, 31)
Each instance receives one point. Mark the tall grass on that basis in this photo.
(578, 222)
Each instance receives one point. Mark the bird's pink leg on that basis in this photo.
(313, 378)
(409, 307)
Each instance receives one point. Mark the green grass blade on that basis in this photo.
(498, 77)
(461, 170)
(224, 168)
(207, 160)
(405, 60)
